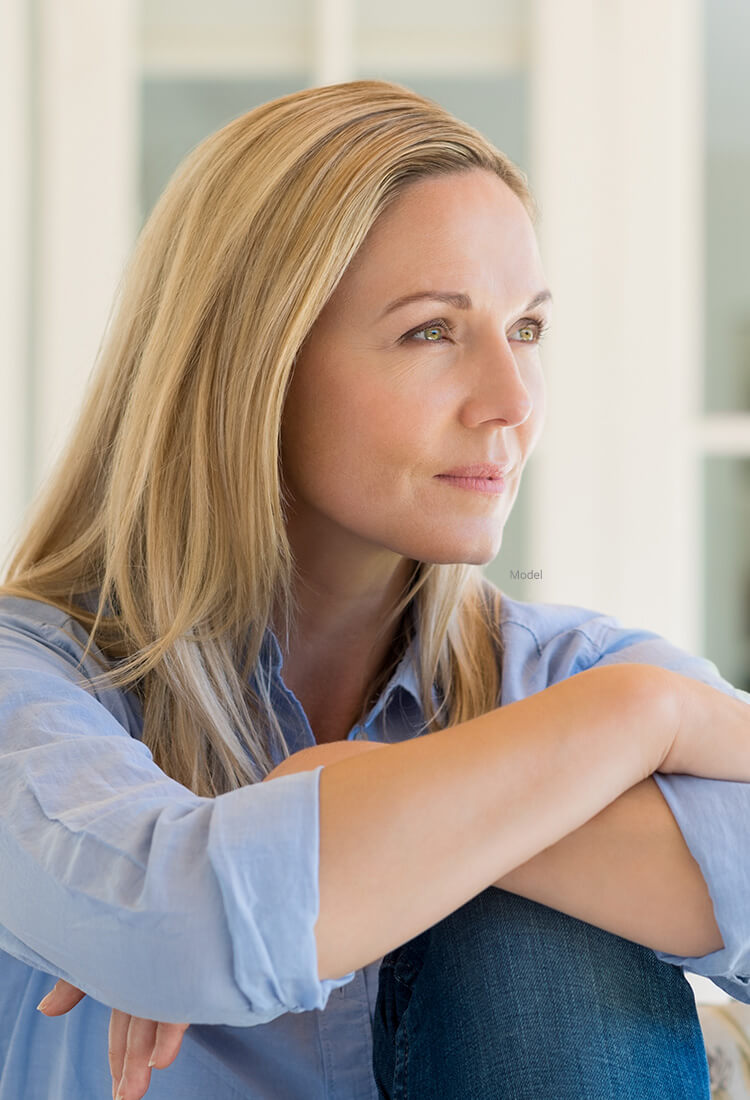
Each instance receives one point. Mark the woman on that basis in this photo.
(260, 555)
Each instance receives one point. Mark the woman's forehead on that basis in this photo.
(459, 242)
(440, 210)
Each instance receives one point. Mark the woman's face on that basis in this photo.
(383, 400)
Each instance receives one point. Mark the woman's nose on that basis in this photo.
(499, 391)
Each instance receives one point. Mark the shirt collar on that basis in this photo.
(405, 675)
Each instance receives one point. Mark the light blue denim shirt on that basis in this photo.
(176, 907)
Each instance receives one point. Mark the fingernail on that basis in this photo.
(152, 1061)
(45, 1001)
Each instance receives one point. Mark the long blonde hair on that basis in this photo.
(168, 500)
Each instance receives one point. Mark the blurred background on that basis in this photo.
(630, 119)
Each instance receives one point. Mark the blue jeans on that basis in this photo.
(508, 998)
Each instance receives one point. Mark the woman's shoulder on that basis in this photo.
(548, 642)
(37, 637)
(544, 624)
(27, 616)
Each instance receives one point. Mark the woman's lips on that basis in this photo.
(478, 484)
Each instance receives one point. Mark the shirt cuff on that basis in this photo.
(270, 886)
(714, 818)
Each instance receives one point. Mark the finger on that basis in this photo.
(61, 998)
(167, 1044)
(117, 1043)
(136, 1073)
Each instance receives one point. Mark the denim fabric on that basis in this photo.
(507, 999)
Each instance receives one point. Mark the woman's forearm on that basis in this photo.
(627, 870)
(409, 835)
(712, 738)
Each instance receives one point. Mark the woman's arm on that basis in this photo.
(132, 1038)
(136, 1044)
(114, 874)
(627, 870)
(439, 818)
(434, 820)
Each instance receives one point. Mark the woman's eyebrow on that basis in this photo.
(454, 298)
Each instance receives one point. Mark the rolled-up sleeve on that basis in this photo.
(115, 877)
(713, 815)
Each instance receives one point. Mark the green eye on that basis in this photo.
(536, 326)
(434, 331)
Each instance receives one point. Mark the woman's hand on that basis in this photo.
(135, 1044)
(133, 1040)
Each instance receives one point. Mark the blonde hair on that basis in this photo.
(167, 502)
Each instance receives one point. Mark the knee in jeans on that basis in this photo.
(497, 924)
